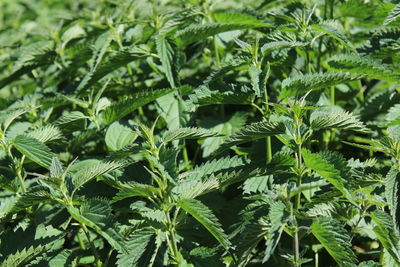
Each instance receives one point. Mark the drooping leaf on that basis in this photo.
(205, 216)
(334, 238)
(167, 52)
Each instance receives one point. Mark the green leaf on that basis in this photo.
(89, 172)
(225, 126)
(138, 245)
(303, 83)
(136, 190)
(239, 18)
(167, 51)
(204, 96)
(120, 109)
(197, 32)
(326, 170)
(331, 234)
(119, 136)
(34, 150)
(46, 134)
(331, 28)
(393, 15)
(278, 217)
(23, 257)
(363, 65)
(253, 132)
(386, 233)
(392, 185)
(187, 133)
(96, 214)
(329, 118)
(205, 216)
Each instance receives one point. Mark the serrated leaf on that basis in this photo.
(138, 243)
(329, 118)
(326, 170)
(392, 186)
(363, 65)
(197, 32)
(187, 133)
(119, 136)
(96, 214)
(331, 234)
(167, 51)
(386, 233)
(253, 132)
(34, 150)
(23, 257)
(88, 173)
(205, 216)
(303, 83)
(135, 190)
(120, 109)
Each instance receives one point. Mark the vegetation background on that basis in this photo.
(199, 133)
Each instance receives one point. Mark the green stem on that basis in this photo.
(269, 149)
(185, 156)
(296, 248)
(332, 95)
(93, 248)
(316, 259)
(299, 165)
(80, 240)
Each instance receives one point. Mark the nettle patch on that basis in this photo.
(199, 133)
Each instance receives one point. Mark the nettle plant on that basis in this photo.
(199, 133)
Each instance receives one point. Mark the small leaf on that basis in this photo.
(187, 133)
(119, 136)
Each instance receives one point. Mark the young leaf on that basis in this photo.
(205, 216)
(135, 190)
(331, 234)
(34, 150)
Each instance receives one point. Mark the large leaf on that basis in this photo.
(122, 108)
(96, 214)
(331, 234)
(303, 83)
(392, 184)
(386, 233)
(205, 216)
(339, 119)
(34, 150)
(327, 171)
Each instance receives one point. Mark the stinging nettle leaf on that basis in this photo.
(34, 150)
(205, 216)
(253, 132)
(119, 136)
(188, 133)
(303, 83)
(331, 234)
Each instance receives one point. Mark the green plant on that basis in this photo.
(199, 133)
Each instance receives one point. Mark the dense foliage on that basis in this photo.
(199, 133)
